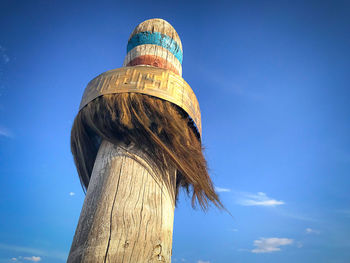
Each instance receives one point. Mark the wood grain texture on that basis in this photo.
(157, 25)
(128, 210)
(149, 80)
(156, 38)
(155, 50)
(154, 62)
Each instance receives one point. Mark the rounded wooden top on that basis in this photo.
(158, 25)
(153, 66)
(155, 43)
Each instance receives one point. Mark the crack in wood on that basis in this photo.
(111, 215)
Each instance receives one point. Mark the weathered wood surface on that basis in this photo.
(152, 81)
(128, 211)
(158, 25)
(160, 54)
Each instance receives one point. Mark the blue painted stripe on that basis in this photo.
(158, 39)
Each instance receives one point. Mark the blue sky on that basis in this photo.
(272, 79)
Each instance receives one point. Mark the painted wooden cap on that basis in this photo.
(155, 42)
(153, 67)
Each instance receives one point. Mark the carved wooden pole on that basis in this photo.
(135, 141)
(128, 211)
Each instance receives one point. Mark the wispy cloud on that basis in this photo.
(228, 84)
(21, 249)
(345, 212)
(201, 261)
(4, 58)
(221, 190)
(311, 231)
(259, 199)
(71, 193)
(296, 215)
(33, 258)
(179, 260)
(34, 251)
(5, 132)
(243, 250)
(272, 244)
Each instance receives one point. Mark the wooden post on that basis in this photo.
(128, 211)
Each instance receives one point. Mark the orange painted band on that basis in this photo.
(154, 61)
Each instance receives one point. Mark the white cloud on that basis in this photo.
(259, 199)
(71, 193)
(220, 190)
(33, 258)
(201, 261)
(311, 231)
(268, 245)
(5, 132)
(14, 259)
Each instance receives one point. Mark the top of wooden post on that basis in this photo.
(156, 43)
(152, 66)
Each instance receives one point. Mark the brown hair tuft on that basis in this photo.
(163, 130)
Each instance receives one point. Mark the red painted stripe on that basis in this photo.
(154, 61)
